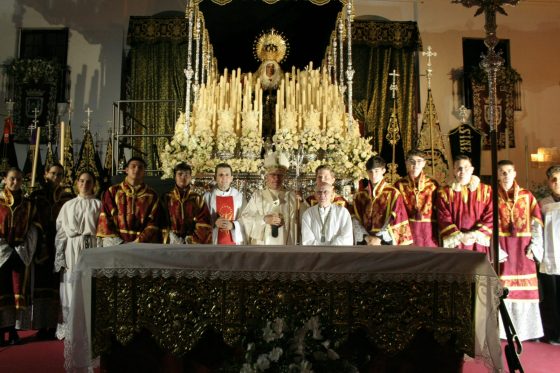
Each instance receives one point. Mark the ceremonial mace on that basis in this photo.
(491, 63)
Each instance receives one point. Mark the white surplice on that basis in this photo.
(550, 263)
(76, 228)
(264, 202)
(334, 222)
(238, 203)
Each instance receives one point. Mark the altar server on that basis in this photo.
(379, 211)
(18, 239)
(270, 215)
(225, 204)
(549, 269)
(465, 209)
(130, 210)
(48, 200)
(521, 238)
(326, 223)
(188, 217)
(419, 193)
(76, 228)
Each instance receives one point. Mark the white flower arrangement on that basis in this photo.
(251, 144)
(226, 143)
(279, 349)
(286, 140)
(310, 139)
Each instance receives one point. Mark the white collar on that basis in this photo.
(472, 184)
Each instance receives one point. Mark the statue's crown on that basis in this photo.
(271, 45)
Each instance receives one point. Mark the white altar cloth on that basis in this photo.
(352, 263)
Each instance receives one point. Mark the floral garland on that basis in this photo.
(29, 70)
(286, 140)
(281, 349)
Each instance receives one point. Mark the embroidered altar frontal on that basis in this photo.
(177, 292)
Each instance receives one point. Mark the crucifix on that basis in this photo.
(393, 87)
(429, 70)
(87, 122)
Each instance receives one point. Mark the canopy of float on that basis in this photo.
(233, 27)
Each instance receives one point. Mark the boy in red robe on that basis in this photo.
(521, 239)
(130, 211)
(464, 209)
(18, 239)
(188, 217)
(419, 193)
(379, 212)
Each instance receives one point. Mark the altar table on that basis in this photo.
(177, 291)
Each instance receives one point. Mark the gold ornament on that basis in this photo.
(271, 45)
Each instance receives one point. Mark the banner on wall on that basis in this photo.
(467, 140)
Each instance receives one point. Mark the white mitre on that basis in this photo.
(276, 160)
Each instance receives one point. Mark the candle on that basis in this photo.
(61, 147)
(35, 156)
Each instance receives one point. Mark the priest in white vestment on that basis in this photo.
(270, 217)
(76, 228)
(225, 204)
(326, 223)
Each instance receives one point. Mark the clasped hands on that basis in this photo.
(222, 223)
(468, 238)
(274, 219)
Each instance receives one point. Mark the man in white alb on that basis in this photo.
(225, 203)
(326, 223)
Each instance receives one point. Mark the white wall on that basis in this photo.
(98, 32)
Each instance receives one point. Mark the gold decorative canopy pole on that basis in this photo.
(393, 134)
(430, 114)
(491, 63)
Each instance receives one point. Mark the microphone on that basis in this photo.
(274, 230)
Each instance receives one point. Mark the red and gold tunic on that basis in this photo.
(462, 209)
(518, 212)
(17, 214)
(131, 213)
(419, 200)
(188, 216)
(382, 208)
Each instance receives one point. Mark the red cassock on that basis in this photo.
(17, 214)
(46, 298)
(131, 213)
(188, 216)
(518, 211)
(465, 210)
(419, 200)
(383, 208)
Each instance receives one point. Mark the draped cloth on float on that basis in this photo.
(154, 71)
(378, 47)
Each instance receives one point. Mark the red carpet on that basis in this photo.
(33, 356)
(48, 357)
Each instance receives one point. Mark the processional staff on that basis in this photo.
(32, 127)
(429, 70)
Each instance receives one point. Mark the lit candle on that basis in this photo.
(35, 156)
(62, 150)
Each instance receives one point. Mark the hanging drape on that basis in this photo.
(379, 47)
(154, 71)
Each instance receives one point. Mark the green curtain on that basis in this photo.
(154, 71)
(378, 48)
